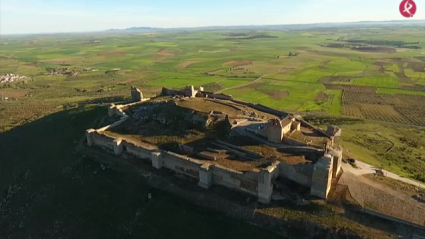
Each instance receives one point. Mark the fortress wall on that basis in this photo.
(308, 125)
(249, 182)
(262, 108)
(103, 140)
(234, 179)
(339, 168)
(115, 124)
(119, 110)
(274, 169)
(265, 182)
(137, 151)
(297, 173)
(242, 102)
(322, 177)
(247, 151)
(181, 164)
(220, 96)
(112, 110)
(290, 141)
(246, 182)
(270, 110)
(170, 92)
(278, 113)
(258, 183)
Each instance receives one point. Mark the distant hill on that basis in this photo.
(136, 29)
(280, 27)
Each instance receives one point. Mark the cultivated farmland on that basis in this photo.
(379, 77)
(369, 80)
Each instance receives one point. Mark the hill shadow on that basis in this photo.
(49, 188)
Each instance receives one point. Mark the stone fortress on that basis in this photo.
(303, 154)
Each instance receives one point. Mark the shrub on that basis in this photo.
(420, 177)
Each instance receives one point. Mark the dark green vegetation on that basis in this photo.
(50, 189)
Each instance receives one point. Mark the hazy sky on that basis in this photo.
(43, 16)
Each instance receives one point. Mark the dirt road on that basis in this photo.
(364, 168)
(238, 86)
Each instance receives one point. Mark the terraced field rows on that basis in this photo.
(403, 109)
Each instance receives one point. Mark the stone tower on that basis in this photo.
(136, 94)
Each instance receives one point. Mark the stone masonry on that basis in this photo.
(322, 177)
(136, 94)
(257, 182)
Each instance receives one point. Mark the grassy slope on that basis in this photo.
(406, 158)
(370, 141)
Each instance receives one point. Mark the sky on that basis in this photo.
(51, 16)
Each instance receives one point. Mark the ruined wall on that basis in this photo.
(294, 142)
(274, 169)
(220, 96)
(296, 125)
(222, 176)
(270, 110)
(274, 131)
(212, 174)
(308, 125)
(257, 182)
(115, 124)
(338, 166)
(189, 91)
(253, 182)
(246, 182)
(136, 150)
(263, 108)
(337, 154)
(136, 94)
(286, 129)
(102, 140)
(181, 164)
(300, 173)
(265, 182)
(171, 92)
(281, 114)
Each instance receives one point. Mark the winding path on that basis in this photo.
(238, 86)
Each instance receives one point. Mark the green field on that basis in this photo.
(177, 59)
(381, 85)
(257, 70)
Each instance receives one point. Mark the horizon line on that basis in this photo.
(207, 26)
